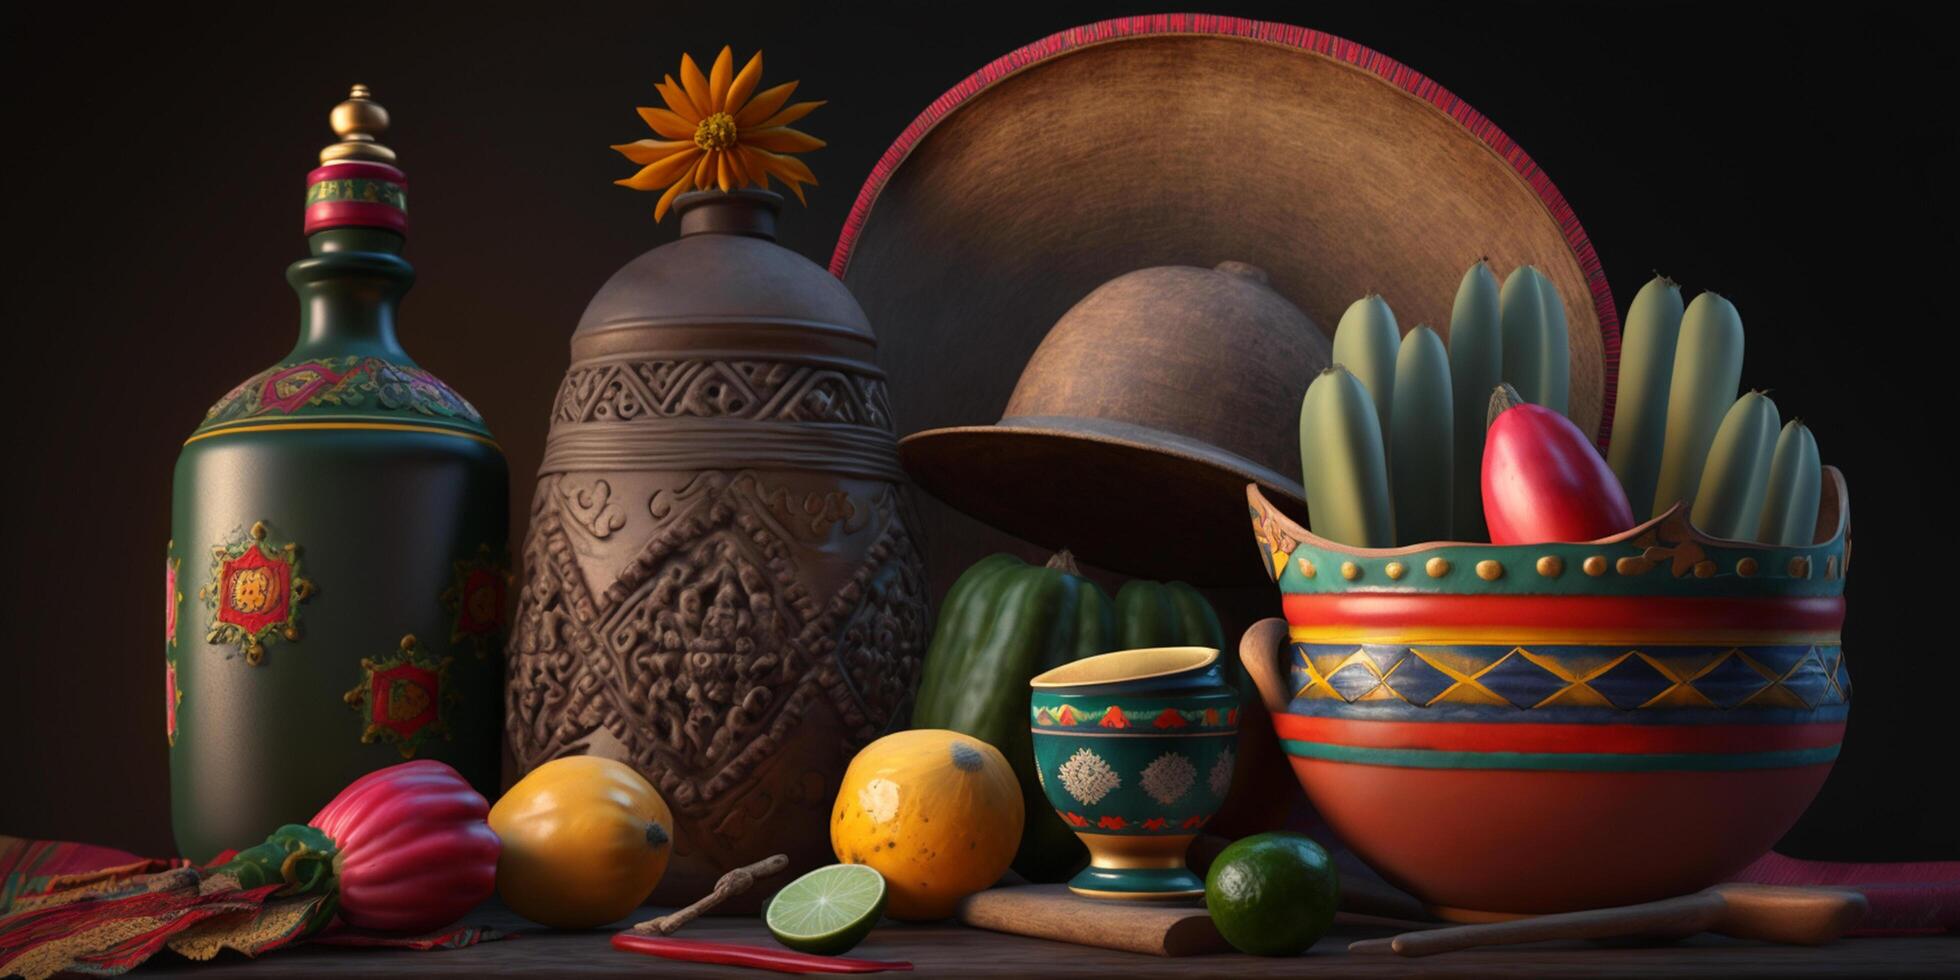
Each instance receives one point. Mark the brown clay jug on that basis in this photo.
(719, 586)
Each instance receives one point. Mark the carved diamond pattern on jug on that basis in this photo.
(761, 390)
(579, 394)
(705, 618)
(877, 403)
(720, 389)
(875, 656)
(664, 378)
(709, 649)
(707, 645)
(621, 398)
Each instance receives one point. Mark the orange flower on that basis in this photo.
(720, 132)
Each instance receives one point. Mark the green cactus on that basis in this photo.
(1735, 480)
(1476, 366)
(1555, 360)
(1707, 370)
(1365, 343)
(1420, 439)
(1796, 484)
(1535, 361)
(1343, 465)
(1647, 343)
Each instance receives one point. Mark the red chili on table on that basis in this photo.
(760, 957)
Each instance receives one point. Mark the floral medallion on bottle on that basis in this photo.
(255, 592)
(476, 602)
(173, 596)
(405, 698)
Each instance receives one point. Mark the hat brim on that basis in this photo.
(1126, 499)
(1098, 151)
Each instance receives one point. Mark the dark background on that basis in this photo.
(1800, 165)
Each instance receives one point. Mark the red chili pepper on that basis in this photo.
(1543, 480)
(760, 957)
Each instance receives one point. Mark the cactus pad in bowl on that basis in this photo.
(1524, 729)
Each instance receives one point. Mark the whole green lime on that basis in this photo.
(1272, 894)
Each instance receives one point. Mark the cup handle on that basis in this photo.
(1260, 650)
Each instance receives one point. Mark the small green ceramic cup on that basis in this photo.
(1135, 751)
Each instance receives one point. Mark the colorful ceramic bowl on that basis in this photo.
(1134, 749)
(1543, 728)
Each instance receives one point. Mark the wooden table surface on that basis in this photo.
(953, 950)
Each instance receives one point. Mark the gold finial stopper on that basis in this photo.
(358, 122)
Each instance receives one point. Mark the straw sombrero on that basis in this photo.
(1187, 140)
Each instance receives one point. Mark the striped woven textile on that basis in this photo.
(66, 906)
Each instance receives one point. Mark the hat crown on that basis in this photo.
(1211, 355)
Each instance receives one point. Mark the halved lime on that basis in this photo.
(827, 911)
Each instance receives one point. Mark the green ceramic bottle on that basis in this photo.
(336, 575)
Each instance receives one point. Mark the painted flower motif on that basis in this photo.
(483, 602)
(405, 698)
(1193, 823)
(172, 697)
(1170, 718)
(475, 600)
(1220, 778)
(1168, 777)
(1042, 717)
(1114, 718)
(719, 132)
(288, 390)
(1075, 819)
(171, 597)
(1065, 715)
(254, 593)
(1087, 777)
(1112, 822)
(236, 396)
(251, 591)
(1156, 823)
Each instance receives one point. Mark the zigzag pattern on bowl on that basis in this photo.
(1795, 676)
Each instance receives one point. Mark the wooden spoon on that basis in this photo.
(1801, 916)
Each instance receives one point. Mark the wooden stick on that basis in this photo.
(731, 884)
(1673, 918)
(1806, 916)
